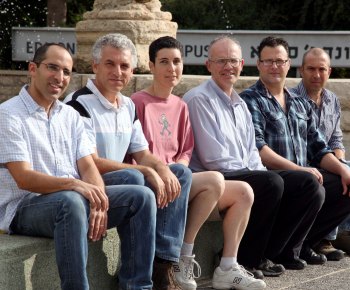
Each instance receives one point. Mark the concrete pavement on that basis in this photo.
(330, 276)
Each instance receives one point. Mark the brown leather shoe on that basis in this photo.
(163, 276)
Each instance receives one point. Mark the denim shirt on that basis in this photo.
(292, 134)
(327, 116)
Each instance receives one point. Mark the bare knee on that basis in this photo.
(238, 192)
(211, 182)
(247, 194)
(216, 183)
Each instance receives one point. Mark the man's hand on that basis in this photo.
(94, 194)
(157, 185)
(97, 224)
(99, 205)
(345, 180)
(172, 184)
(314, 171)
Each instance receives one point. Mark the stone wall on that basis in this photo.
(12, 81)
(142, 21)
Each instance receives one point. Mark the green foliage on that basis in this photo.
(261, 15)
(15, 14)
(194, 14)
(76, 9)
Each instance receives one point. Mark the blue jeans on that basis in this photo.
(64, 216)
(171, 220)
(344, 226)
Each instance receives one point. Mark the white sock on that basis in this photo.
(186, 249)
(227, 263)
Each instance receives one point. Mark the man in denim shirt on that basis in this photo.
(315, 71)
(287, 138)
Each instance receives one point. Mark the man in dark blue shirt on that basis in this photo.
(288, 139)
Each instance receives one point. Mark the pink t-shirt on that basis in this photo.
(166, 125)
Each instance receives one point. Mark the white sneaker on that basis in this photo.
(237, 278)
(184, 274)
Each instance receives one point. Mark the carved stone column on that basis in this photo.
(141, 20)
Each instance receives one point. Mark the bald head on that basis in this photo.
(317, 53)
(315, 71)
(224, 39)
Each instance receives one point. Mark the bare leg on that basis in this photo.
(236, 203)
(207, 188)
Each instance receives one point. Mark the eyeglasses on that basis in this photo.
(235, 62)
(51, 67)
(270, 62)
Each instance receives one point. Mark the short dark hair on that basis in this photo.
(40, 53)
(163, 42)
(272, 41)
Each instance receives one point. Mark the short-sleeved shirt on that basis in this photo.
(223, 130)
(327, 115)
(51, 145)
(166, 125)
(292, 134)
(114, 132)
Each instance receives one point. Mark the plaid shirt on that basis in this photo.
(327, 116)
(294, 134)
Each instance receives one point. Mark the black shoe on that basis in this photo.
(257, 273)
(270, 269)
(293, 264)
(311, 257)
(326, 248)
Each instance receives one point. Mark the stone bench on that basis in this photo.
(28, 263)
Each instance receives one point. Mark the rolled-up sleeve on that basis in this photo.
(316, 144)
(336, 140)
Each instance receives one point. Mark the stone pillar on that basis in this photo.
(140, 20)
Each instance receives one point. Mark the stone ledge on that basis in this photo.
(28, 263)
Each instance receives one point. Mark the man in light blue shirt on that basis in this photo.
(225, 141)
(50, 186)
(113, 127)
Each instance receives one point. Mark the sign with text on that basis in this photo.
(337, 43)
(26, 40)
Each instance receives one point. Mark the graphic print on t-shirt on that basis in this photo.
(165, 125)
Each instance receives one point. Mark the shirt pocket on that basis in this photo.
(275, 123)
(331, 120)
(302, 122)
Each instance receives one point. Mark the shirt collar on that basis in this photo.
(325, 99)
(104, 102)
(33, 106)
(234, 99)
(263, 91)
